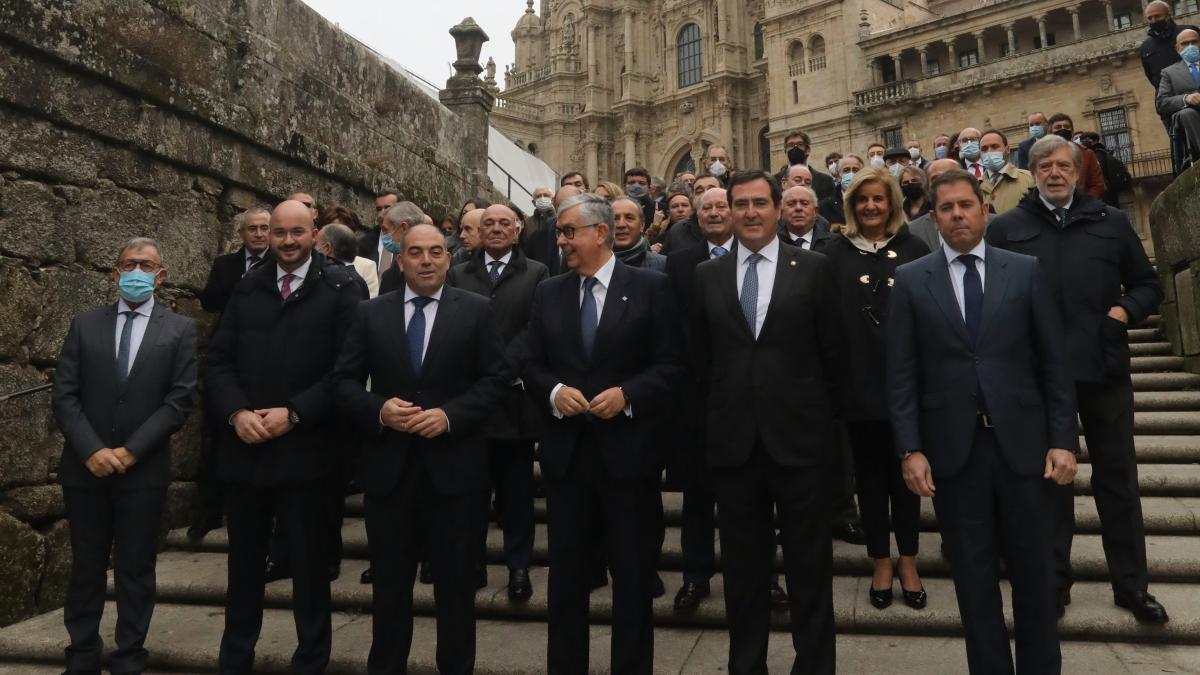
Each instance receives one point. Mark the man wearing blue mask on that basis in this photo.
(124, 383)
(396, 221)
(941, 147)
(1004, 184)
(1038, 126)
(969, 153)
(1179, 90)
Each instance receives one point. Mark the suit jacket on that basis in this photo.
(94, 410)
(518, 415)
(368, 245)
(226, 271)
(1021, 161)
(1175, 82)
(636, 348)
(681, 235)
(925, 229)
(464, 372)
(1008, 191)
(539, 242)
(269, 352)
(782, 389)
(1018, 363)
(820, 238)
(391, 279)
(823, 184)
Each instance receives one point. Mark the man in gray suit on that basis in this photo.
(124, 384)
(924, 228)
(1178, 95)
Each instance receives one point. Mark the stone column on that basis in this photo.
(1075, 22)
(1108, 14)
(629, 41)
(630, 146)
(1041, 22)
(979, 47)
(924, 52)
(726, 112)
(876, 67)
(953, 54)
(466, 96)
(896, 66)
(591, 164)
(1011, 29)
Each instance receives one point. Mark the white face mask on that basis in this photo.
(896, 169)
(915, 153)
(877, 160)
(717, 169)
(832, 168)
(543, 203)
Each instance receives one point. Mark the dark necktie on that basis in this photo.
(416, 332)
(588, 316)
(802, 243)
(972, 295)
(253, 262)
(1060, 214)
(1195, 68)
(494, 271)
(286, 289)
(718, 251)
(123, 348)
(749, 297)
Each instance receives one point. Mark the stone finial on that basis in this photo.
(468, 39)
(529, 6)
(864, 23)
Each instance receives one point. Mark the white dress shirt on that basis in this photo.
(141, 320)
(728, 246)
(971, 164)
(958, 270)
(300, 274)
(488, 260)
(766, 277)
(430, 311)
(807, 239)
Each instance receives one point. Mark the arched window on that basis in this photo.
(688, 55)
(759, 48)
(816, 53)
(685, 164)
(796, 59)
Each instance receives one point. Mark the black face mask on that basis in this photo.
(796, 155)
(1162, 29)
(912, 191)
(1065, 134)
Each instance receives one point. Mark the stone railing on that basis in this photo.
(889, 93)
(530, 112)
(1177, 255)
(816, 63)
(516, 79)
(795, 68)
(1150, 164)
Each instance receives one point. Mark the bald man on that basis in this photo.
(268, 382)
(1178, 96)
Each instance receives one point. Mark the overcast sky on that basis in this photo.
(415, 32)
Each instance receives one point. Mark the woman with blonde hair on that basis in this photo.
(873, 242)
(608, 190)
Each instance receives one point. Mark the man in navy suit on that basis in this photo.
(982, 404)
(602, 356)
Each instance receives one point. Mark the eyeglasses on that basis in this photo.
(568, 232)
(145, 265)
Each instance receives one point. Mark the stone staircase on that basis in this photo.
(1097, 636)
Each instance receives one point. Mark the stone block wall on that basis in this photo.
(164, 118)
(1176, 230)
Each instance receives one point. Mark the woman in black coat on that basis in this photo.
(874, 241)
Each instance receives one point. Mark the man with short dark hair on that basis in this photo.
(797, 146)
(1090, 178)
(1003, 184)
(576, 180)
(125, 382)
(369, 245)
(875, 153)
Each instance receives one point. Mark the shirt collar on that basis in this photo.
(488, 259)
(728, 245)
(770, 252)
(604, 275)
(951, 255)
(807, 236)
(1050, 207)
(144, 309)
(409, 293)
(301, 271)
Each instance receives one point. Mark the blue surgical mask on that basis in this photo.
(993, 161)
(390, 245)
(846, 178)
(1191, 54)
(1037, 130)
(136, 286)
(970, 150)
(940, 152)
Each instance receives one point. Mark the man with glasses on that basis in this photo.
(369, 245)
(124, 383)
(308, 201)
(601, 354)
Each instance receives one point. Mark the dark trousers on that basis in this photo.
(511, 463)
(333, 495)
(210, 497)
(880, 485)
(984, 512)
(697, 535)
(1106, 411)
(401, 526)
(746, 497)
(631, 533)
(126, 523)
(249, 511)
(841, 481)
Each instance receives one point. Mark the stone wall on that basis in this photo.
(1177, 255)
(164, 118)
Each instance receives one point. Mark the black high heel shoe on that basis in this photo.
(915, 599)
(881, 599)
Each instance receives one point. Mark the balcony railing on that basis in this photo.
(888, 93)
(529, 112)
(1151, 164)
(795, 68)
(816, 63)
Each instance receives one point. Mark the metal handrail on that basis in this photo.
(511, 180)
(26, 392)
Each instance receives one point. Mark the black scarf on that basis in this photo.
(635, 255)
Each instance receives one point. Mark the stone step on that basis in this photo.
(184, 638)
(1150, 348)
(1155, 364)
(1149, 334)
(1149, 401)
(1165, 381)
(1165, 449)
(1167, 422)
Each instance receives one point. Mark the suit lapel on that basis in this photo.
(447, 308)
(108, 338)
(782, 284)
(400, 334)
(149, 337)
(938, 283)
(615, 302)
(570, 291)
(994, 288)
(733, 305)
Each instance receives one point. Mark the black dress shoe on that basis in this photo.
(880, 599)
(658, 589)
(366, 577)
(425, 575)
(1143, 605)
(519, 588)
(480, 577)
(850, 531)
(202, 527)
(276, 571)
(915, 599)
(779, 598)
(1062, 599)
(689, 596)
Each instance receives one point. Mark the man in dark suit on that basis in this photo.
(500, 271)
(1103, 283)
(369, 245)
(765, 338)
(799, 224)
(269, 367)
(438, 371)
(124, 383)
(396, 222)
(227, 270)
(798, 146)
(982, 404)
(537, 235)
(1178, 95)
(602, 356)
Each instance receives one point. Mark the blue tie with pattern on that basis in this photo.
(749, 297)
(123, 348)
(416, 332)
(1195, 68)
(588, 316)
(718, 251)
(494, 271)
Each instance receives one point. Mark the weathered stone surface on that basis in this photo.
(178, 510)
(26, 445)
(21, 557)
(34, 503)
(21, 298)
(32, 224)
(65, 293)
(52, 587)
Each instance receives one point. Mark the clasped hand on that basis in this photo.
(407, 418)
(606, 405)
(107, 461)
(260, 426)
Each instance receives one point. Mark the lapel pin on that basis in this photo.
(864, 279)
(624, 298)
(793, 263)
(891, 253)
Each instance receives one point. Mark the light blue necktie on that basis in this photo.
(718, 251)
(588, 316)
(1195, 68)
(750, 292)
(416, 332)
(123, 348)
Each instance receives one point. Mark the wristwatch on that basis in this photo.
(293, 417)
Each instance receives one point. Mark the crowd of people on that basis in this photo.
(804, 355)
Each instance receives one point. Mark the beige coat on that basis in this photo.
(1008, 190)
